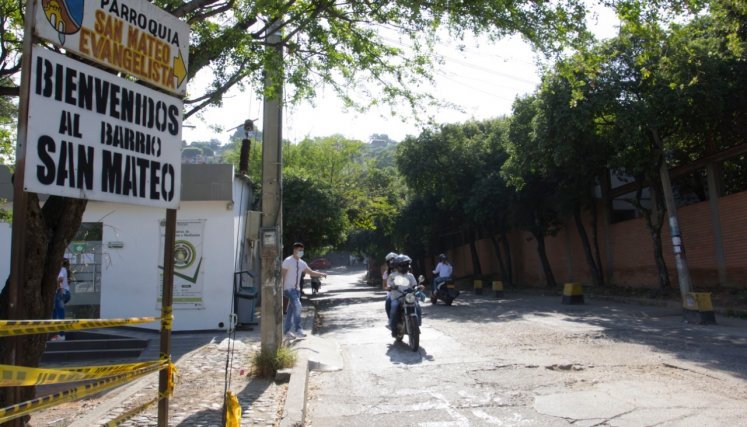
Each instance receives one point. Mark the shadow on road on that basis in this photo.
(400, 353)
(718, 347)
(721, 347)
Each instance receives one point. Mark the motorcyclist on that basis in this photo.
(385, 281)
(401, 266)
(442, 272)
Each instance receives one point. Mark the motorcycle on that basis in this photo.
(443, 292)
(408, 322)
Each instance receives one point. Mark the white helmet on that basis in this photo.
(390, 256)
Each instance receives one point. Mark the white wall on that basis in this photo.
(246, 257)
(5, 235)
(129, 277)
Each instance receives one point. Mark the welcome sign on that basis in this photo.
(94, 135)
(131, 36)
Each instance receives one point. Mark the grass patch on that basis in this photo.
(267, 364)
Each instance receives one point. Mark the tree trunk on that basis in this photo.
(551, 283)
(595, 238)
(654, 219)
(596, 275)
(661, 266)
(49, 230)
(476, 268)
(501, 262)
(509, 262)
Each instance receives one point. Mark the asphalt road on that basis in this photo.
(526, 360)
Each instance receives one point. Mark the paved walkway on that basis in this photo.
(198, 398)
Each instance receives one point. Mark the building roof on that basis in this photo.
(200, 182)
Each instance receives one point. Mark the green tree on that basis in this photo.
(573, 154)
(442, 164)
(490, 203)
(312, 214)
(536, 201)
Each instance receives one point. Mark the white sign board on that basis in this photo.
(93, 135)
(131, 36)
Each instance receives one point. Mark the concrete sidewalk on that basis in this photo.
(314, 353)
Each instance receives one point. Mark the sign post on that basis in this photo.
(89, 134)
(166, 316)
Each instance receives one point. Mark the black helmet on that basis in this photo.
(402, 262)
(442, 257)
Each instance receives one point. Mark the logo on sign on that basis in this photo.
(65, 16)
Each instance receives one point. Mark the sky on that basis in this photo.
(483, 78)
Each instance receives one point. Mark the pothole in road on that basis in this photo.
(567, 367)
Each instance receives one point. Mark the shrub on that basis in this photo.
(267, 364)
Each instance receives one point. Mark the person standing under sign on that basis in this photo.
(61, 296)
(292, 269)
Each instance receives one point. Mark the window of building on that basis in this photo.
(85, 253)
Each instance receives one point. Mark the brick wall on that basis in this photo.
(733, 209)
(627, 250)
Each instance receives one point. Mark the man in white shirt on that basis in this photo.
(443, 271)
(292, 269)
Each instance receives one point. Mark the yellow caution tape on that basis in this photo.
(167, 318)
(11, 376)
(27, 327)
(233, 410)
(24, 408)
(171, 384)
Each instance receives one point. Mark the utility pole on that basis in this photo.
(271, 327)
(683, 272)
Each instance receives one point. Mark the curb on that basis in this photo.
(294, 409)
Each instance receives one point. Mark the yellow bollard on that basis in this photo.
(573, 293)
(699, 309)
(477, 286)
(498, 288)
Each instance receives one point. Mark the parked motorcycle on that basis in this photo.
(408, 322)
(443, 292)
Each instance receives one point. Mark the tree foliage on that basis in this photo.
(384, 50)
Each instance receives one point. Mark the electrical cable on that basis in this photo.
(233, 317)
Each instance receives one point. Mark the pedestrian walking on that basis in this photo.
(62, 296)
(292, 269)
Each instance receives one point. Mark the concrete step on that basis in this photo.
(92, 354)
(85, 345)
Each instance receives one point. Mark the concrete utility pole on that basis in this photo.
(271, 237)
(683, 272)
